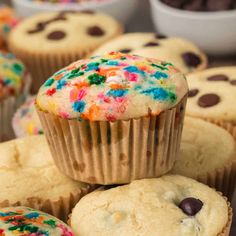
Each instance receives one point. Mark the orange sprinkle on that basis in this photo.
(92, 113)
(81, 85)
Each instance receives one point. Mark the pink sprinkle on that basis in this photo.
(133, 77)
(81, 94)
(119, 99)
(104, 98)
(64, 115)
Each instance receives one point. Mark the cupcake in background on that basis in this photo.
(27, 221)
(182, 53)
(8, 20)
(26, 121)
(14, 86)
(124, 112)
(207, 154)
(46, 42)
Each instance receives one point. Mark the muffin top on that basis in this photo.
(201, 152)
(24, 221)
(213, 94)
(180, 52)
(112, 87)
(26, 121)
(28, 173)
(167, 206)
(12, 75)
(64, 32)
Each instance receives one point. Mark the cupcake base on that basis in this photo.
(118, 152)
(60, 208)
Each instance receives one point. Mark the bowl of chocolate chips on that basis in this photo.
(208, 23)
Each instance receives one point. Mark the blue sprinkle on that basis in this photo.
(79, 106)
(7, 82)
(112, 63)
(157, 93)
(137, 87)
(92, 66)
(61, 83)
(3, 214)
(160, 75)
(116, 93)
(32, 215)
(132, 69)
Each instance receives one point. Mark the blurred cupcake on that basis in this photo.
(49, 41)
(29, 177)
(26, 121)
(14, 85)
(207, 154)
(8, 20)
(114, 118)
(212, 96)
(27, 221)
(180, 52)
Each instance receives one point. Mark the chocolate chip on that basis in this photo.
(218, 5)
(193, 93)
(39, 27)
(193, 5)
(219, 77)
(56, 35)
(95, 31)
(160, 36)
(208, 100)
(191, 59)
(88, 12)
(233, 82)
(125, 50)
(191, 206)
(151, 44)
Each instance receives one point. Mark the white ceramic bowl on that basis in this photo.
(122, 10)
(213, 32)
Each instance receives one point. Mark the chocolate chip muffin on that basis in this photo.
(183, 54)
(29, 177)
(212, 96)
(167, 206)
(208, 154)
(49, 41)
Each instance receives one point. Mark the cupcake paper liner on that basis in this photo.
(105, 152)
(42, 66)
(60, 208)
(223, 179)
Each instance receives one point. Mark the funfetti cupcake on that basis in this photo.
(114, 118)
(46, 42)
(26, 121)
(27, 221)
(14, 85)
(208, 154)
(182, 53)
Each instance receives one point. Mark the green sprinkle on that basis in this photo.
(167, 64)
(159, 67)
(104, 60)
(17, 68)
(49, 82)
(96, 79)
(75, 75)
(52, 223)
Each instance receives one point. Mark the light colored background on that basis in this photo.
(141, 21)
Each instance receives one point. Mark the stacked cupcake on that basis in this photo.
(113, 122)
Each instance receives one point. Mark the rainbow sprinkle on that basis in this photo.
(111, 87)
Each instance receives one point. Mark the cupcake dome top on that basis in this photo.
(12, 74)
(28, 222)
(169, 205)
(112, 87)
(63, 32)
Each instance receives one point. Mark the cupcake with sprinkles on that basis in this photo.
(14, 85)
(24, 221)
(26, 121)
(8, 20)
(114, 118)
